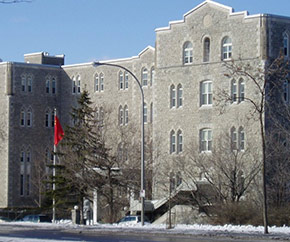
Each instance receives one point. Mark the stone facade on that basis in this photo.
(25, 91)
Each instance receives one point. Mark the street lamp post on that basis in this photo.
(142, 191)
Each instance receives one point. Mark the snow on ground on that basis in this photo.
(243, 231)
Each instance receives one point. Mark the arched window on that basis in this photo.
(234, 91)
(78, 84)
(226, 48)
(29, 118)
(206, 93)
(234, 139)
(126, 80)
(22, 117)
(179, 141)
(74, 85)
(144, 77)
(53, 85)
(241, 138)
(47, 85)
(29, 83)
(152, 76)
(121, 80)
(179, 96)
(126, 115)
(172, 96)
(285, 44)
(101, 82)
(96, 83)
(187, 53)
(121, 116)
(145, 113)
(241, 90)
(172, 142)
(205, 140)
(206, 49)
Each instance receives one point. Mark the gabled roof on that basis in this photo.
(226, 8)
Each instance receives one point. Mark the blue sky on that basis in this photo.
(86, 30)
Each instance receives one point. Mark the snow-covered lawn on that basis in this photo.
(243, 231)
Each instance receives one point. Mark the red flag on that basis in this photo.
(58, 132)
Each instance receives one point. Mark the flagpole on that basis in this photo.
(53, 177)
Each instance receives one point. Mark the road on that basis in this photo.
(25, 233)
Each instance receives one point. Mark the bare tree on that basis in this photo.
(265, 79)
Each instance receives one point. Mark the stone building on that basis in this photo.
(182, 78)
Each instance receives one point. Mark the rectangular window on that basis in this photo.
(234, 91)
(23, 84)
(206, 140)
(73, 86)
(206, 93)
(172, 143)
(53, 86)
(29, 84)
(22, 118)
(126, 80)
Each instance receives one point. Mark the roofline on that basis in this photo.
(230, 10)
(114, 60)
(30, 64)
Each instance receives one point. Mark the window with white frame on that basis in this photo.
(102, 82)
(234, 138)
(205, 140)
(187, 53)
(285, 44)
(96, 83)
(172, 96)
(179, 141)
(78, 84)
(226, 48)
(145, 113)
(126, 77)
(179, 95)
(29, 118)
(144, 77)
(121, 80)
(126, 115)
(121, 115)
(172, 142)
(206, 93)
(152, 76)
(49, 118)
(241, 138)
(241, 90)
(234, 91)
(206, 49)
